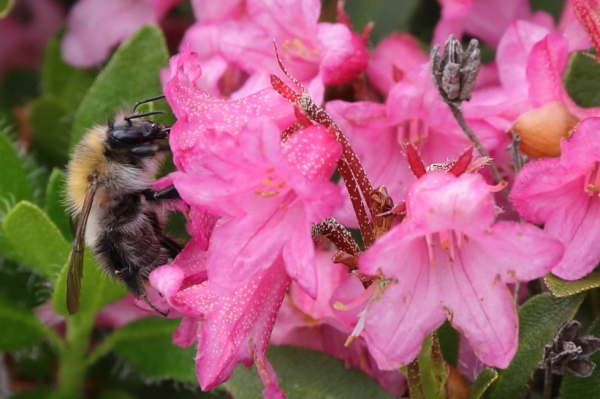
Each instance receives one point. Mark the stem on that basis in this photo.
(413, 377)
(548, 384)
(517, 292)
(364, 223)
(72, 364)
(458, 115)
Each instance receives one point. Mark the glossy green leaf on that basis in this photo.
(55, 203)
(562, 288)
(433, 369)
(14, 184)
(20, 327)
(36, 239)
(147, 345)
(97, 288)
(306, 374)
(5, 7)
(589, 387)
(449, 339)
(51, 124)
(582, 80)
(131, 75)
(61, 81)
(539, 319)
(483, 381)
(428, 374)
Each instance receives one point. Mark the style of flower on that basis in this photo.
(562, 193)
(448, 260)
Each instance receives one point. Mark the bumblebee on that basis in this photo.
(119, 215)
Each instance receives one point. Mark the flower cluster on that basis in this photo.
(257, 141)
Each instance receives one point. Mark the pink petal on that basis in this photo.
(410, 299)
(236, 326)
(399, 50)
(482, 308)
(343, 53)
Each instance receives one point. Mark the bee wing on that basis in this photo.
(75, 273)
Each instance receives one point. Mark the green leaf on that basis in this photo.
(391, 15)
(51, 124)
(36, 239)
(147, 344)
(552, 7)
(5, 7)
(20, 286)
(61, 81)
(37, 393)
(131, 75)
(539, 319)
(433, 369)
(576, 387)
(449, 342)
(97, 288)
(14, 184)
(20, 327)
(55, 205)
(307, 374)
(483, 381)
(582, 80)
(562, 288)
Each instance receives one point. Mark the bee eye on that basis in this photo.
(129, 135)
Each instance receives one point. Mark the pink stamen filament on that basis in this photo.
(450, 240)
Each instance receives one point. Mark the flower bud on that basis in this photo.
(455, 72)
(541, 130)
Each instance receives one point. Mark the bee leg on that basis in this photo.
(167, 193)
(170, 245)
(149, 150)
(147, 300)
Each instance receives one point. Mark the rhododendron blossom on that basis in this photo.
(562, 193)
(448, 260)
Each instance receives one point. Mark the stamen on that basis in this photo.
(360, 326)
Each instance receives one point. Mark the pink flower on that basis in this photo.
(448, 260)
(375, 141)
(562, 193)
(424, 120)
(321, 53)
(484, 19)
(315, 324)
(25, 32)
(230, 329)
(392, 57)
(234, 164)
(95, 27)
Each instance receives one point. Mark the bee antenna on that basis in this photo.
(143, 114)
(144, 101)
(164, 314)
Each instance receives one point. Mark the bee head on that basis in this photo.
(137, 132)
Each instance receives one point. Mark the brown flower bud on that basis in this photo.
(541, 129)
